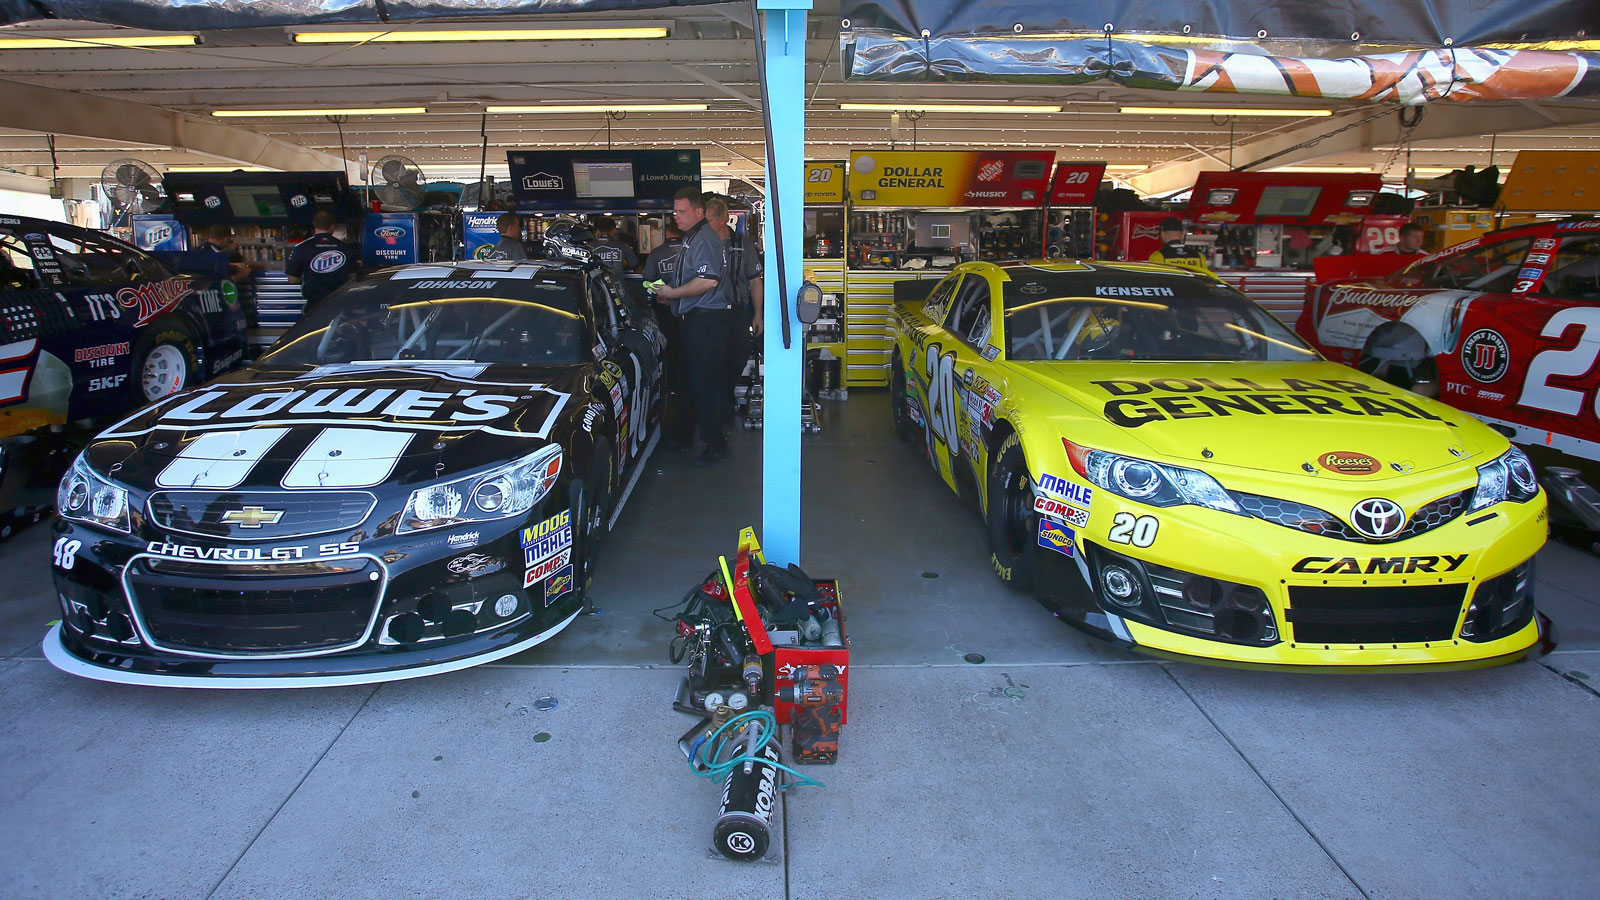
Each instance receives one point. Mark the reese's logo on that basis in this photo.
(1346, 463)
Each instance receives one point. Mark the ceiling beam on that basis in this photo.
(1440, 121)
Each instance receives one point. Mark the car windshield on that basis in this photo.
(1117, 314)
(489, 317)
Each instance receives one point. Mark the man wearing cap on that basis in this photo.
(1174, 252)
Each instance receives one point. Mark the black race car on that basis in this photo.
(91, 327)
(412, 480)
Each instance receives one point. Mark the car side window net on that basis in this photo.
(1575, 272)
(1491, 268)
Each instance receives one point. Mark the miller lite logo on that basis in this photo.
(328, 261)
(298, 200)
(158, 234)
(542, 181)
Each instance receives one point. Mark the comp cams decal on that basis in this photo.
(1136, 403)
(1057, 537)
(1055, 509)
(545, 569)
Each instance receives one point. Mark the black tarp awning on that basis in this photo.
(1408, 53)
(199, 15)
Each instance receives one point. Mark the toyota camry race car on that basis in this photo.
(413, 479)
(1505, 326)
(1171, 468)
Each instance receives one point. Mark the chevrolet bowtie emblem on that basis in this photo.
(252, 517)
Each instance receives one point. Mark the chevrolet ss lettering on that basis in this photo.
(383, 492)
(1254, 503)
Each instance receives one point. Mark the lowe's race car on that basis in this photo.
(416, 478)
(1169, 466)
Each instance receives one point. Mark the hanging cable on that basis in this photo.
(483, 160)
(344, 160)
(756, 21)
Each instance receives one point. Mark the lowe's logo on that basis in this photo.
(542, 181)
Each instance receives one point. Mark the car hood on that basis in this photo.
(339, 427)
(1277, 417)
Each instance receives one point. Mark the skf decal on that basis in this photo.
(1346, 463)
(534, 533)
(1063, 489)
(1379, 565)
(545, 569)
(559, 585)
(109, 382)
(1203, 398)
(151, 300)
(1057, 537)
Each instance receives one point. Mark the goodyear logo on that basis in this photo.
(558, 585)
(1053, 536)
(533, 533)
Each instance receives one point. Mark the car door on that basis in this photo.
(949, 363)
(630, 368)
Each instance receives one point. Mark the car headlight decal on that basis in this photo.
(1152, 483)
(1509, 476)
(502, 492)
(85, 496)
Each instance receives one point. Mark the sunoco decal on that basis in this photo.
(559, 585)
(1346, 463)
(1053, 536)
(1138, 403)
(1485, 355)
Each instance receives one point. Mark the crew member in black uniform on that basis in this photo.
(744, 288)
(510, 248)
(617, 256)
(1174, 252)
(659, 266)
(320, 263)
(214, 256)
(699, 298)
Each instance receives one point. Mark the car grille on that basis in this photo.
(1374, 615)
(302, 512)
(1310, 519)
(255, 610)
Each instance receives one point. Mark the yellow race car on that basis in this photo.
(1171, 468)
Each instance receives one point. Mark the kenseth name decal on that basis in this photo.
(1141, 402)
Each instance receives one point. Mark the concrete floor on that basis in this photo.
(1059, 768)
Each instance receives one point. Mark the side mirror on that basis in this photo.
(808, 302)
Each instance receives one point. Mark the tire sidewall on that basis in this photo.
(593, 515)
(898, 399)
(171, 333)
(1012, 556)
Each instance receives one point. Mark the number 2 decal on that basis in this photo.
(1537, 392)
(1139, 531)
(941, 371)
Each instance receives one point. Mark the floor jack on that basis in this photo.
(747, 392)
(742, 686)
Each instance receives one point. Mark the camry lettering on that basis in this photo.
(461, 406)
(1379, 565)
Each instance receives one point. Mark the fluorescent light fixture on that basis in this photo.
(1126, 168)
(602, 107)
(351, 111)
(90, 43)
(1225, 111)
(708, 162)
(218, 169)
(952, 107)
(1433, 170)
(1325, 170)
(458, 36)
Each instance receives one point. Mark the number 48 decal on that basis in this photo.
(66, 552)
(1139, 531)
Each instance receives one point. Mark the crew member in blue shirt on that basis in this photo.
(320, 264)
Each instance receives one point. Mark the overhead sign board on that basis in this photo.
(824, 182)
(940, 179)
(1283, 198)
(1076, 183)
(601, 179)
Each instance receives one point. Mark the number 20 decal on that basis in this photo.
(1537, 392)
(1139, 531)
(941, 371)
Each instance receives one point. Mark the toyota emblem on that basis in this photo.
(1378, 518)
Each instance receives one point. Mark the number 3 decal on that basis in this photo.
(1140, 531)
(1537, 391)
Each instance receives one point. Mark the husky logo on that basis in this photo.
(327, 261)
(542, 181)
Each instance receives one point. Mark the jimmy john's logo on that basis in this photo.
(1485, 355)
(1380, 565)
(1349, 463)
(463, 406)
(1137, 403)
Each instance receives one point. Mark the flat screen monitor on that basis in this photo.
(255, 201)
(602, 179)
(1287, 200)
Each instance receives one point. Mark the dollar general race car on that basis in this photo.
(1505, 326)
(414, 479)
(1170, 467)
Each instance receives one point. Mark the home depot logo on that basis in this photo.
(542, 181)
(991, 170)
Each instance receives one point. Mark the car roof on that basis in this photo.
(1089, 269)
(50, 226)
(475, 268)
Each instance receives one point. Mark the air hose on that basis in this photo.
(726, 739)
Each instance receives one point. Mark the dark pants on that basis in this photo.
(740, 344)
(705, 337)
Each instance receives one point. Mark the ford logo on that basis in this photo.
(390, 232)
(1378, 518)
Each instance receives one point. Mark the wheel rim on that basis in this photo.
(165, 370)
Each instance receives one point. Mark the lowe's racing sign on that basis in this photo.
(601, 179)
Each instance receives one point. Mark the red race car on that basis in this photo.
(1506, 327)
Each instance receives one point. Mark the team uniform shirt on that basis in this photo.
(1177, 253)
(701, 257)
(322, 262)
(662, 261)
(744, 263)
(616, 255)
(508, 250)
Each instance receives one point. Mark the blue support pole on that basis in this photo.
(785, 35)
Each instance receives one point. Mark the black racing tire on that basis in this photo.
(1011, 522)
(166, 360)
(1396, 353)
(595, 516)
(904, 429)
